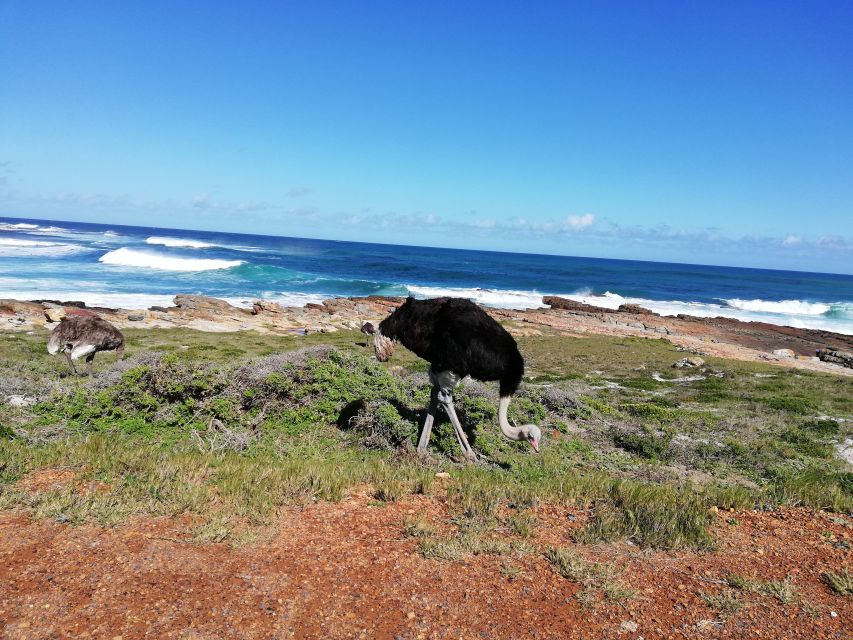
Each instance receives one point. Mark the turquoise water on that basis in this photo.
(136, 267)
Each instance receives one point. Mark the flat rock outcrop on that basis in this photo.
(205, 305)
(564, 304)
(635, 308)
(844, 358)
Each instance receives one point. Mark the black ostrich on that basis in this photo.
(458, 339)
(78, 336)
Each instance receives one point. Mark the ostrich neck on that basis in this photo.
(513, 433)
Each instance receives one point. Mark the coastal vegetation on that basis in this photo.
(225, 429)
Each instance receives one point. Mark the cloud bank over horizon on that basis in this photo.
(571, 234)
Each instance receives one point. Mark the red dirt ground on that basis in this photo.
(345, 570)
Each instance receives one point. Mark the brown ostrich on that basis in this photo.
(78, 336)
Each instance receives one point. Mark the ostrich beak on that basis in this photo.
(535, 445)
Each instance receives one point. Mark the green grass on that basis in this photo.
(213, 431)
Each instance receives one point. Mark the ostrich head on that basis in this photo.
(529, 432)
(532, 434)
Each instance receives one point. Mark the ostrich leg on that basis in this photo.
(71, 363)
(427, 430)
(446, 381)
(470, 456)
(90, 363)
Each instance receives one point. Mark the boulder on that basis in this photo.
(54, 314)
(136, 317)
(20, 401)
(635, 308)
(692, 361)
(78, 311)
(784, 353)
(844, 358)
(266, 306)
(61, 303)
(564, 304)
(204, 306)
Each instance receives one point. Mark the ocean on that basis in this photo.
(136, 267)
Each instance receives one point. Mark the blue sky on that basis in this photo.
(718, 132)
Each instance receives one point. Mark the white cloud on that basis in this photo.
(579, 223)
(791, 239)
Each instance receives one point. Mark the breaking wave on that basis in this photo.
(190, 243)
(505, 298)
(792, 313)
(285, 299)
(26, 227)
(178, 242)
(17, 248)
(92, 298)
(805, 315)
(795, 307)
(126, 257)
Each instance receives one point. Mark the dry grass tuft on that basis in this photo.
(594, 576)
(840, 583)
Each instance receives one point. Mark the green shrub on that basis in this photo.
(805, 444)
(823, 427)
(646, 444)
(791, 404)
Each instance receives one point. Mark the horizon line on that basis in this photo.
(417, 246)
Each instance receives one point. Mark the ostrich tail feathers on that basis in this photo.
(383, 346)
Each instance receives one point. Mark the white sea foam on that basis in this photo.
(127, 257)
(505, 298)
(809, 319)
(190, 243)
(285, 299)
(48, 230)
(20, 248)
(26, 227)
(17, 226)
(92, 298)
(17, 242)
(178, 242)
(795, 307)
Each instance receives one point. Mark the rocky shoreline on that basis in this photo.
(722, 337)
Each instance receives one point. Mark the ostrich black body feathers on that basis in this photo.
(454, 334)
